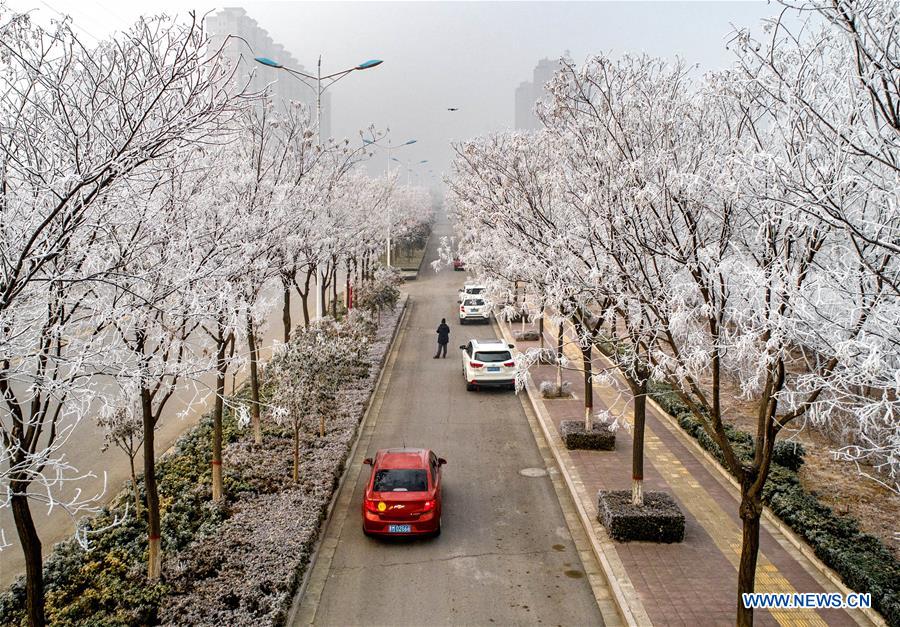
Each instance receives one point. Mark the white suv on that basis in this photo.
(474, 309)
(470, 290)
(488, 363)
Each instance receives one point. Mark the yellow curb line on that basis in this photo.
(625, 596)
(361, 428)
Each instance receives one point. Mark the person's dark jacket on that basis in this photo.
(443, 332)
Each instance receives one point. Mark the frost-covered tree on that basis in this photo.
(76, 122)
(157, 306)
(309, 371)
(124, 429)
(381, 293)
(836, 79)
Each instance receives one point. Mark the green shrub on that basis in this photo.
(788, 454)
(664, 394)
(105, 584)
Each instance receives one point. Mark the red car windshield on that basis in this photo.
(400, 480)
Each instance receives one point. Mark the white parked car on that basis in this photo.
(468, 291)
(474, 309)
(488, 363)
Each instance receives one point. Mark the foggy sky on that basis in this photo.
(470, 55)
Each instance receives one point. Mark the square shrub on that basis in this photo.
(600, 438)
(527, 336)
(549, 389)
(658, 520)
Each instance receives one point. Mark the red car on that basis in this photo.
(403, 495)
(458, 264)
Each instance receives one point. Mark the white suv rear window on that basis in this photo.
(474, 302)
(489, 357)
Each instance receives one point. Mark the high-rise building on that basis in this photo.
(529, 93)
(242, 39)
(525, 118)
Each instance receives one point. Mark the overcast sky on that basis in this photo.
(470, 55)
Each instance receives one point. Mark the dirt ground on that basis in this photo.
(838, 484)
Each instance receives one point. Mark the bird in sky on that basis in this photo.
(452, 108)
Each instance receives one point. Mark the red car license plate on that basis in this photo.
(399, 528)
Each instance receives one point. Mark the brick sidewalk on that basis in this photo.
(693, 582)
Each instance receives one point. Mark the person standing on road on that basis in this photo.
(443, 333)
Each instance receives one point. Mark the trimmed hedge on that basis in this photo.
(862, 560)
(529, 335)
(658, 520)
(574, 436)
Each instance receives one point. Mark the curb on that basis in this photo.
(629, 606)
(294, 608)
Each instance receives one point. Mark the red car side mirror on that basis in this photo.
(367, 461)
(441, 461)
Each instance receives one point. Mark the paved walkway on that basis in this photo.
(693, 582)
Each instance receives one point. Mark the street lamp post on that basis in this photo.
(387, 246)
(319, 89)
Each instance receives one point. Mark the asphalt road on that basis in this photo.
(505, 555)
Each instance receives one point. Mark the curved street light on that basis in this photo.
(319, 88)
(318, 78)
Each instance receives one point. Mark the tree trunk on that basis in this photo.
(347, 287)
(134, 487)
(323, 291)
(286, 308)
(637, 446)
(541, 327)
(218, 490)
(588, 388)
(559, 353)
(304, 298)
(154, 556)
(31, 547)
(750, 511)
(334, 292)
(296, 475)
(254, 383)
